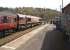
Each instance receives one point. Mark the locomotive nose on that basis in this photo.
(1, 27)
(11, 25)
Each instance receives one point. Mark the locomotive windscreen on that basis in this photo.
(5, 20)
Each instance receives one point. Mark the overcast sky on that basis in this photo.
(52, 4)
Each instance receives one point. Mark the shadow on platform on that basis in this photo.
(67, 45)
(54, 40)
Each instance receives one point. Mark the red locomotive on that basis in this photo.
(7, 22)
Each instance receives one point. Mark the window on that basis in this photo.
(28, 19)
(5, 20)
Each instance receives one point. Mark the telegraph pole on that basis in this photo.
(62, 4)
(60, 8)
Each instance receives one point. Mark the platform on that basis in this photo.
(30, 41)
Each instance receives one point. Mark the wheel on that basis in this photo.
(2, 33)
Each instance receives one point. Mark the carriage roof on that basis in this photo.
(27, 16)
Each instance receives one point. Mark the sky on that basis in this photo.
(52, 4)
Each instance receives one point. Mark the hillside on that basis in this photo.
(41, 12)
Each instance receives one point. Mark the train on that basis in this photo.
(13, 23)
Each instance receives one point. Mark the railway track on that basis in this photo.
(16, 35)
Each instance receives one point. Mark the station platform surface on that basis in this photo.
(40, 40)
(53, 41)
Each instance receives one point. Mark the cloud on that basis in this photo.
(53, 4)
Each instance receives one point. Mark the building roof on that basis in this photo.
(67, 7)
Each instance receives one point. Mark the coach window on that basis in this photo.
(41, 19)
(28, 19)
